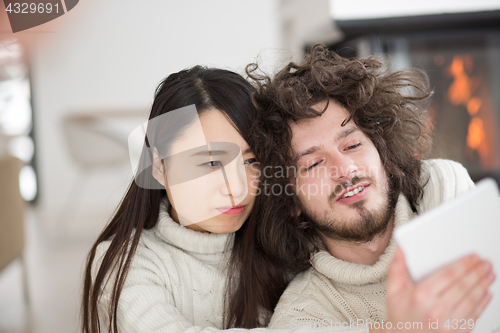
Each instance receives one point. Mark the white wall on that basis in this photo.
(111, 54)
(305, 23)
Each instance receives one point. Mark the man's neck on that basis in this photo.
(365, 253)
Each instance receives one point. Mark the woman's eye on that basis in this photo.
(250, 161)
(212, 164)
(353, 146)
(313, 166)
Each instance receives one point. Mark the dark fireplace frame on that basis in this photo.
(420, 24)
(443, 26)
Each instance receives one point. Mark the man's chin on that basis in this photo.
(346, 214)
(359, 225)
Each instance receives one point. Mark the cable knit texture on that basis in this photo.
(336, 291)
(175, 283)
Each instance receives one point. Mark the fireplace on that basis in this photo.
(461, 55)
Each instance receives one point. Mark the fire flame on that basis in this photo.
(476, 133)
(461, 89)
(473, 105)
(461, 92)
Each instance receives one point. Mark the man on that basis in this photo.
(356, 135)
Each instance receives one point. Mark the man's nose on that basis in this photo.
(342, 167)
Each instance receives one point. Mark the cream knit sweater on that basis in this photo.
(335, 291)
(175, 283)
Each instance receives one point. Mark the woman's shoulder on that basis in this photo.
(149, 245)
(151, 263)
(170, 250)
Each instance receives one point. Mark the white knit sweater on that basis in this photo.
(336, 291)
(175, 283)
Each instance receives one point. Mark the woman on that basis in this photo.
(166, 261)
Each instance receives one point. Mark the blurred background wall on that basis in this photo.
(110, 56)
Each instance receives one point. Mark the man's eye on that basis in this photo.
(251, 161)
(313, 166)
(353, 146)
(212, 164)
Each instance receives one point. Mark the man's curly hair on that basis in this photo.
(389, 107)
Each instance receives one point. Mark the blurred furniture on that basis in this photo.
(96, 140)
(12, 217)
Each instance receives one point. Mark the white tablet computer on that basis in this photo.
(467, 224)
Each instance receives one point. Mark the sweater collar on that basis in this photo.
(186, 239)
(357, 274)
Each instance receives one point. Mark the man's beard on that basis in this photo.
(364, 228)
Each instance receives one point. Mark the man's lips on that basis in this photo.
(232, 211)
(352, 188)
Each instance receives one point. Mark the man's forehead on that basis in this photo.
(330, 106)
(330, 120)
(321, 106)
(322, 130)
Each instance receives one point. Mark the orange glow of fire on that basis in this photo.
(461, 89)
(475, 135)
(474, 105)
(461, 92)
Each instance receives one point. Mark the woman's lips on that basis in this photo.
(232, 211)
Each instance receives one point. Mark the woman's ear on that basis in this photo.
(158, 168)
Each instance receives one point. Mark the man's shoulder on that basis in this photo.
(305, 300)
(303, 287)
(443, 180)
(300, 284)
(308, 287)
(445, 166)
(441, 173)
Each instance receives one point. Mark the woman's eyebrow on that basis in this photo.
(210, 152)
(247, 151)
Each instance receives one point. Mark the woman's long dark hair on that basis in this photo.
(247, 294)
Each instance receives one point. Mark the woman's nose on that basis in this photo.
(236, 180)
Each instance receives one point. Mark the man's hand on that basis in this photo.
(458, 291)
